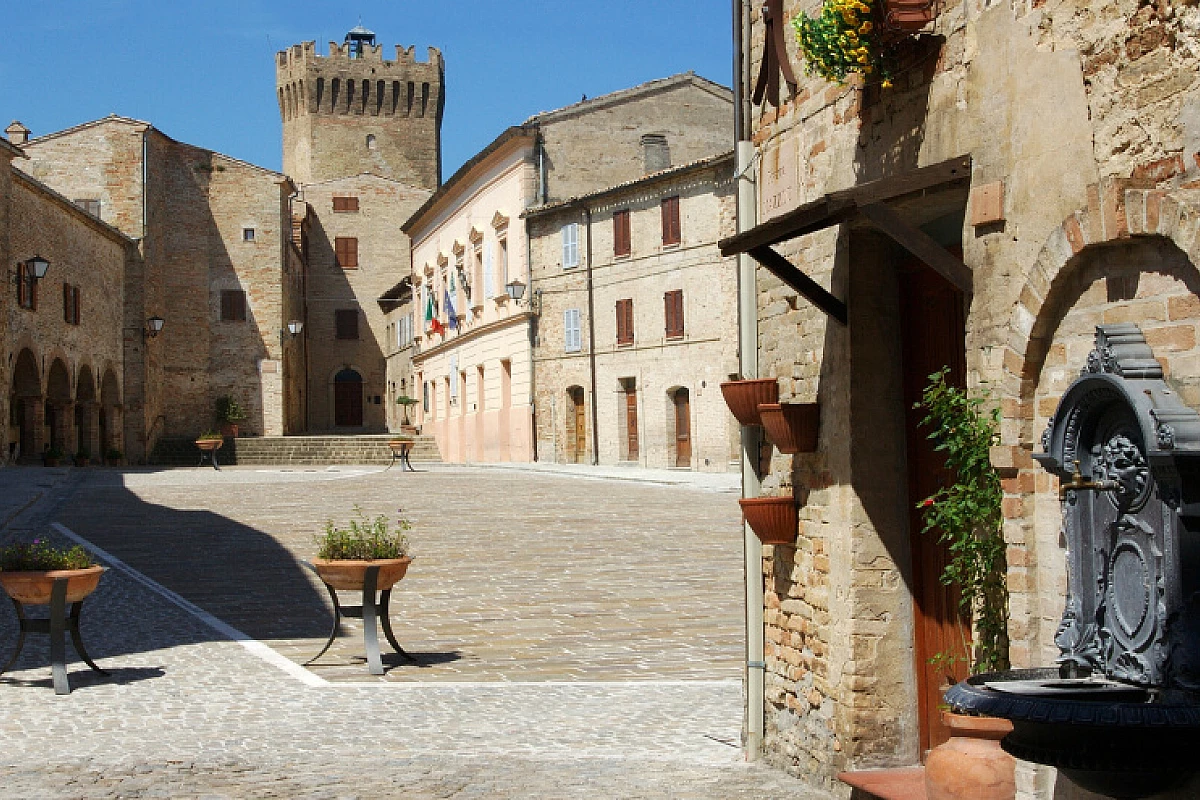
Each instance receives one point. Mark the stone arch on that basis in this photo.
(59, 408)
(25, 408)
(110, 423)
(347, 398)
(1130, 255)
(87, 413)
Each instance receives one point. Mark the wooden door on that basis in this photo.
(580, 427)
(348, 403)
(631, 423)
(683, 429)
(933, 334)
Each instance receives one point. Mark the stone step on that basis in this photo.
(298, 450)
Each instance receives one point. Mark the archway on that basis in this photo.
(576, 426)
(87, 414)
(110, 414)
(59, 411)
(348, 399)
(25, 409)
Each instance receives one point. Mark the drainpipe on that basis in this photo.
(587, 213)
(748, 361)
(534, 323)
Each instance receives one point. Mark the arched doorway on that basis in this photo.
(110, 410)
(60, 416)
(348, 399)
(576, 426)
(682, 439)
(25, 404)
(87, 432)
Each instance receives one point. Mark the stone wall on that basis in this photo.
(383, 259)
(598, 143)
(1086, 116)
(656, 365)
(344, 116)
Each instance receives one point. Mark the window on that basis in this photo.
(673, 310)
(247, 234)
(502, 269)
(572, 332)
(477, 292)
(346, 323)
(425, 395)
(621, 243)
(670, 221)
(625, 322)
(345, 204)
(346, 249)
(404, 331)
(233, 305)
(70, 304)
(371, 138)
(570, 245)
(27, 287)
(89, 205)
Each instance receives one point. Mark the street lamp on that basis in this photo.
(154, 326)
(38, 266)
(515, 289)
(294, 327)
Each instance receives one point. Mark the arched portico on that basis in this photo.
(26, 411)
(59, 409)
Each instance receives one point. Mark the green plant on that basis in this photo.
(844, 39)
(363, 539)
(967, 515)
(208, 436)
(228, 411)
(407, 402)
(38, 556)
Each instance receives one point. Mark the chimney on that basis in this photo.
(656, 154)
(17, 133)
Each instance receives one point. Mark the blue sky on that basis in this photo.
(203, 71)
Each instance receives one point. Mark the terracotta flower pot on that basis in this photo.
(744, 397)
(971, 764)
(208, 445)
(349, 575)
(792, 427)
(773, 519)
(909, 16)
(33, 588)
(229, 429)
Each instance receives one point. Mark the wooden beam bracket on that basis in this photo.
(920, 244)
(812, 291)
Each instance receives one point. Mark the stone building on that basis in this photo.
(62, 365)
(215, 241)
(1030, 172)
(475, 371)
(362, 138)
(637, 381)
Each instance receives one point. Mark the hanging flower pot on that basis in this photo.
(792, 427)
(744, 397)
(909, 16)
(773, 519)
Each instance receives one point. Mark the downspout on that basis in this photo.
(534, 321)
(748, 362)
(587, 212)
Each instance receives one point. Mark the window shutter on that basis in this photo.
(346, 249)
(33, 288)
(346, 323)
(22, 289)
(670, 221)
(621, 233)
(572, 334)
(345, 204)
(570, 242)
(625, 321)
(673, 306)
(67, 315)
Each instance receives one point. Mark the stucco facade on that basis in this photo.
(656, 396)
(1076, 124)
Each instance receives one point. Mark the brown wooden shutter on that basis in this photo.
(673, 310)
(67, 315)
(347, 252)
(233, 306)
(346, 323)
(22, 288)
(345, 204)
(33, 287)
(622, 245)
(670, 221)
(625, 321)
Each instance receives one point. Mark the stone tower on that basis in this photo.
(354, 112)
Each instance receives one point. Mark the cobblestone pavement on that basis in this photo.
(501, 706)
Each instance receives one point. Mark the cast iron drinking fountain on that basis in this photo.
(1120, 714)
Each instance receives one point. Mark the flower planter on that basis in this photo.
(33, 587)
(909, 16)
(208, 445)
(229, 429)
(971, 763)
(792, 427)
(773, 519)
(744, 397)
(348, 575)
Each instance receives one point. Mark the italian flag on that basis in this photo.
(431, 320)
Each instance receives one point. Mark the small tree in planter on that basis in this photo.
(406, 402)
(228, 413)
(968, 518)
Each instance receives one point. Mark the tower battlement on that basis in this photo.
(352, 111)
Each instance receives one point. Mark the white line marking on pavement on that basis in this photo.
(499, 684)
(253, 646)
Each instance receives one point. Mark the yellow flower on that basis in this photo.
(866, 27)
(887, 84)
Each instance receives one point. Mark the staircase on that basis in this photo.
(294, 450)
